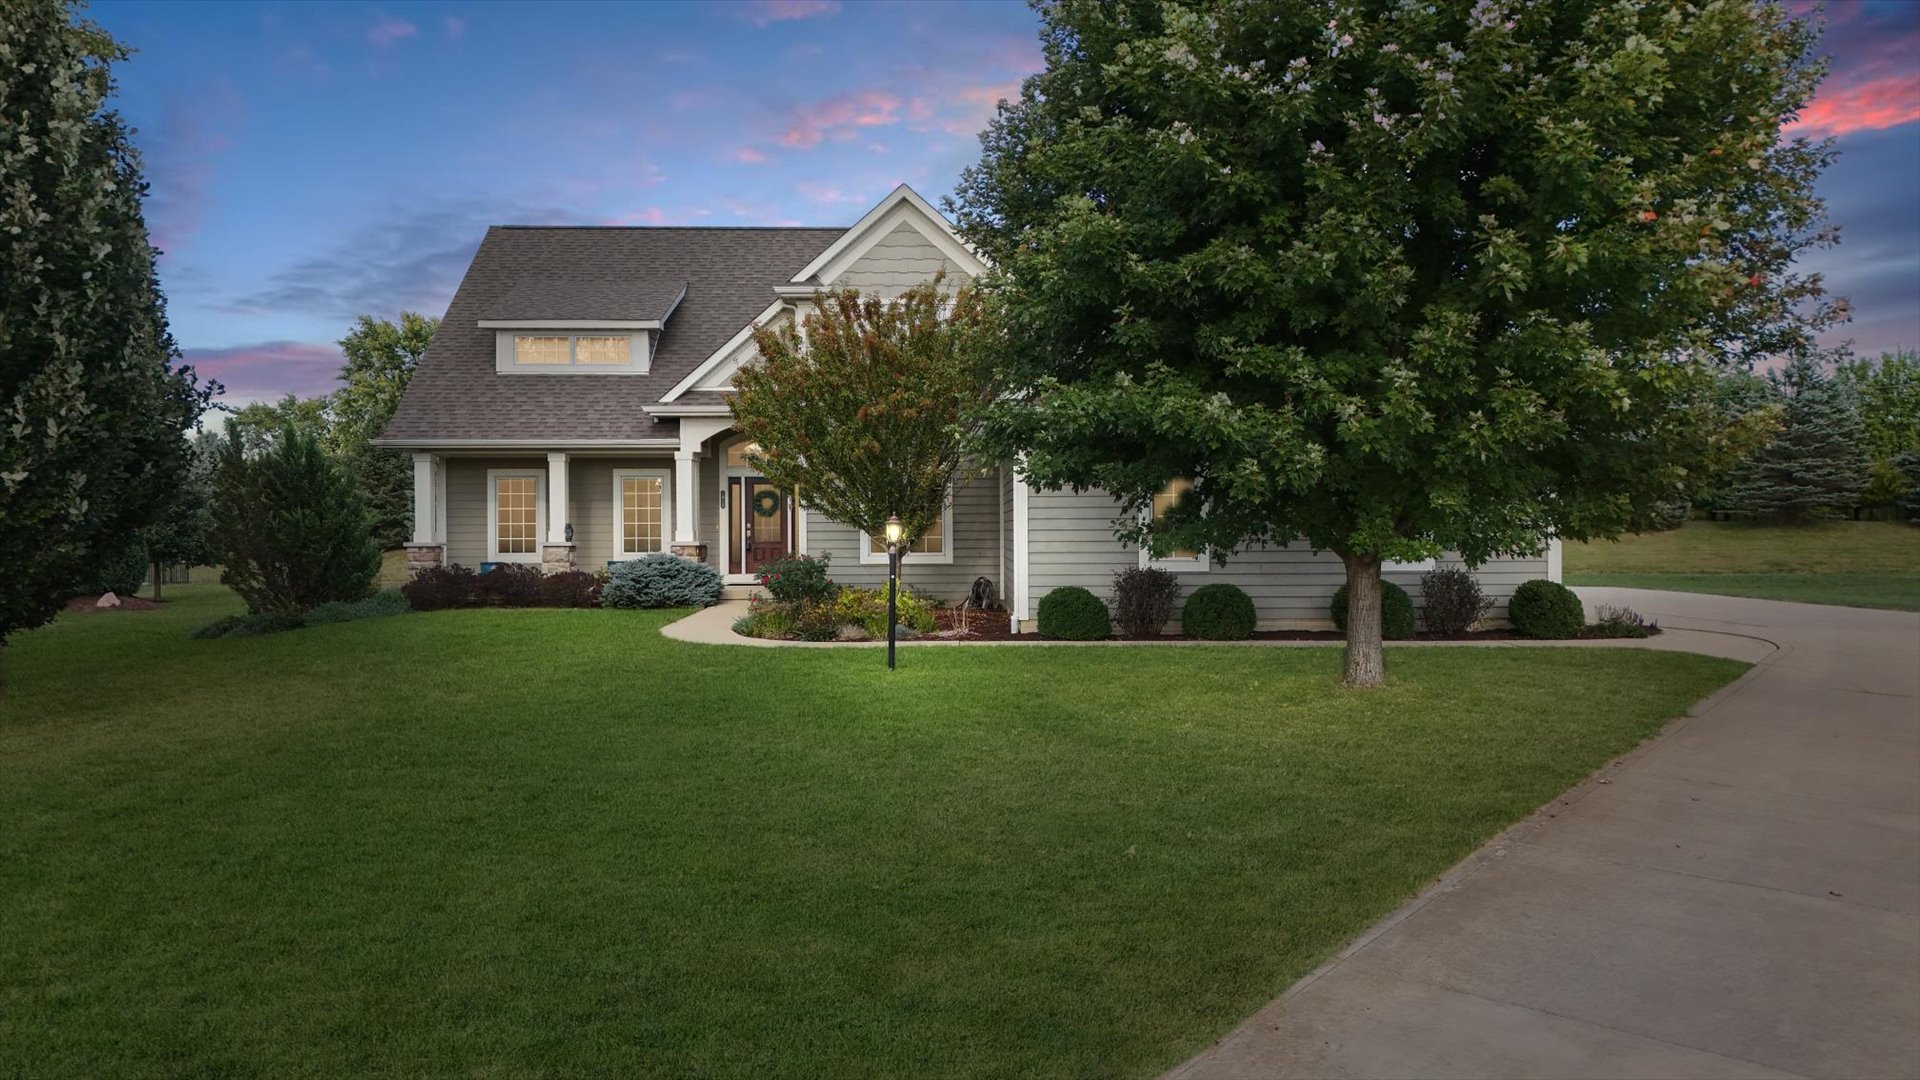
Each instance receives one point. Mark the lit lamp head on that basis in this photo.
(895, 530)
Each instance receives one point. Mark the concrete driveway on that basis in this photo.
(1739, 898)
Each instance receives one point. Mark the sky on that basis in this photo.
(310, 162)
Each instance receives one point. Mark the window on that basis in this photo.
(1185, 559)
(554, 351)
(640, 500)
(930, 546)
(516, 507)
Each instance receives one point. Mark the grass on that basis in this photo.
(554, 842)
(1853, 563)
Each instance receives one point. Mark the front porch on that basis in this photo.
(586, 507)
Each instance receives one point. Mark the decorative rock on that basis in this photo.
(107, 600)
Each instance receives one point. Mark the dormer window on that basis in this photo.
(596, 351)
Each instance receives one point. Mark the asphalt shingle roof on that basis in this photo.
(592, 273)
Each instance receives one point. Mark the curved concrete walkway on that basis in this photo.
(1740, 897)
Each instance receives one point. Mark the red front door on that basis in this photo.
(763, 524)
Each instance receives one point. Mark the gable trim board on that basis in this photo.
(899, 206)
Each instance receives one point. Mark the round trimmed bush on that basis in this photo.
(1546, 609)
(660, 580)
(1071, 613)
(1396, 611)
(1219, 612)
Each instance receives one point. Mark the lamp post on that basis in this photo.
(894, 532)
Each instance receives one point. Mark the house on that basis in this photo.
(572, 411)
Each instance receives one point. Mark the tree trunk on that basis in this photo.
(156, 581)
(1366, 661)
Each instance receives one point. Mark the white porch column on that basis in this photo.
(424, 512)
(428, 546)
(686, 488)
(557, 505)
(557, 553)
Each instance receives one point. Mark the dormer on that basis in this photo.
(560, 327)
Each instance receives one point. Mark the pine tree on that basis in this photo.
(290, 524)
(1816, 467)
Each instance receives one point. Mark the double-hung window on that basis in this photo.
(1185, 560)
(516, 513)
(934, 545)
(641, 502)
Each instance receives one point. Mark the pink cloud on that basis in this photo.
(747, 155)
(842, 114)
(1867, 106)
(652, 215)
(827, 194)
(767, 12)
(454, 25)
(390, 30)
(269, 369)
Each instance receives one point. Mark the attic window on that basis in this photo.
(558, 352)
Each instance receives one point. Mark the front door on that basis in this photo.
(763, 522)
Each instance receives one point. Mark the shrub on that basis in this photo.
(1219, 612)
(819, 621)
(660, 580)
(265, 622)
(1619, 622)
(1545, 609)
(1143, 600)
(121, 570)
(1452, 600)
(798, 579)
(384, 602)
(440, 587)
(1396, 611)
(570, 589)
(510, 585)
(867, 609)
(766, 619)
(290, 525)
(1071, 613)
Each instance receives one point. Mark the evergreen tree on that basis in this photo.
(93, 409)
(1816, 467)
(290, 524)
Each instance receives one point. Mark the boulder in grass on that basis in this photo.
(107, 600)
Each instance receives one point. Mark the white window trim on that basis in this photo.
(945, 555)
(665, 476)
(1394, 566)
(493, 514)
(639, 352)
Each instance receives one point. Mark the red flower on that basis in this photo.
(1648, 215)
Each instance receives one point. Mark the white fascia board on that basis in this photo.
(524, 444)
(896, 207)
(720, 355)
(669, 411)
(573, 324)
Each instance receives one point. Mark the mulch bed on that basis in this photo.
(127, 603)
(993, 626)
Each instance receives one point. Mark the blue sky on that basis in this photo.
(311, 161)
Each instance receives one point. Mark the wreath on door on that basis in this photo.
(766, 503)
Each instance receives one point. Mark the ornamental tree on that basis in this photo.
(289, 524)
(1392, 279)
(867, 414)
(93, 408)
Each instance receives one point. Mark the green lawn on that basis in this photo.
(1855, 563)
(554, 842)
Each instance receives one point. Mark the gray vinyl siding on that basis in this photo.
(467, 504)
(898, 261)
(976, 547)
(590, 480)
(589, 491)
(1071, 543)
(707, 506)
